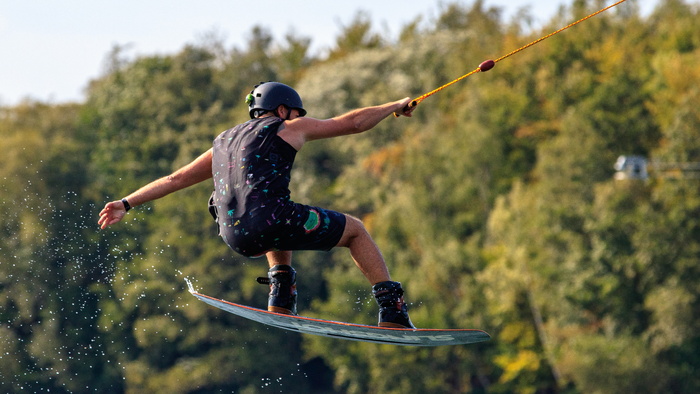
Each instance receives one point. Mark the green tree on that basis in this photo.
(356, 36)
(494, 205)
(50, 255)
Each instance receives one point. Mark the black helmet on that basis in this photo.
(269, 95)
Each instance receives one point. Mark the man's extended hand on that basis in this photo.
(406, 108)
(113, 212)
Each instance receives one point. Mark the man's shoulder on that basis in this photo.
(306, 124)
(251, 124)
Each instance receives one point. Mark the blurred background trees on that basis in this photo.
(495, 205)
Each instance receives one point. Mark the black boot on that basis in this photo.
(393, 311)
(283, 289)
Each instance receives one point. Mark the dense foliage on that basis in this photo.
(495, 205)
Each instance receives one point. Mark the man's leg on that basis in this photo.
(282, 280)
(364, 251)
(279, 258)
(393, 311)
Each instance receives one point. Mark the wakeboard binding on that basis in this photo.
(393, 311)
(283, 289)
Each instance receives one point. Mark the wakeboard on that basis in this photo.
(348, 331)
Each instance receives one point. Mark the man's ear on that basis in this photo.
(282, 111)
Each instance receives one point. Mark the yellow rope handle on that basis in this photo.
(488, 64)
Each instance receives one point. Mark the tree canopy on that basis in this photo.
(495, 206)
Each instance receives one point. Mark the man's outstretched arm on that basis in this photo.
(197, 171)
(303, 129)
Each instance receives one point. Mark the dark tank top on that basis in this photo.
(251, 169)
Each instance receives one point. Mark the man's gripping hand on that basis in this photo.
(406, 108)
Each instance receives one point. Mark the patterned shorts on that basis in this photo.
(290, 226)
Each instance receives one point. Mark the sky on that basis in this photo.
(50, 50)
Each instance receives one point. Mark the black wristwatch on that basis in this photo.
(127, 207)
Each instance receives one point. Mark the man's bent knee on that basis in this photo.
(353, 228)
